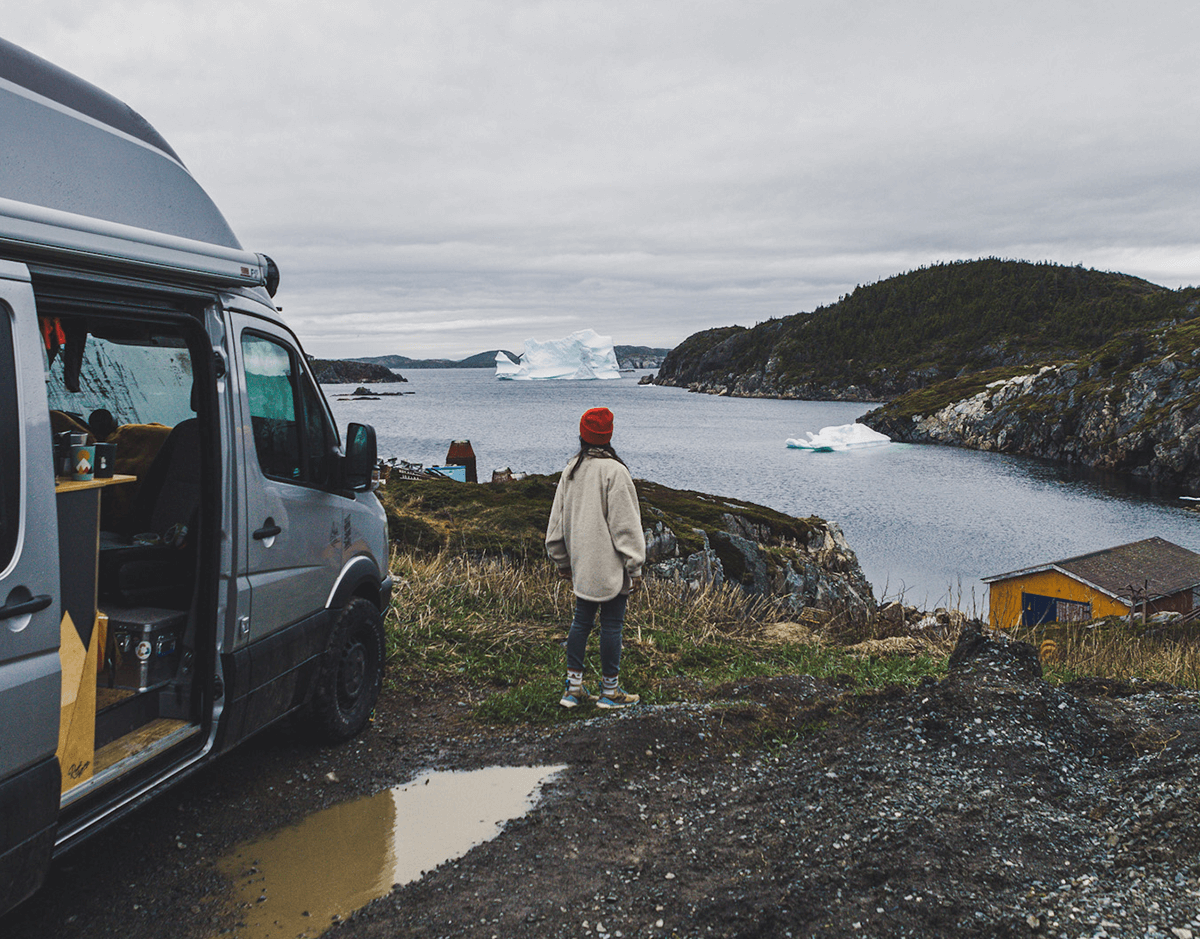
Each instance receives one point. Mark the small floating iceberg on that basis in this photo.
(842, 437)
(582, 355)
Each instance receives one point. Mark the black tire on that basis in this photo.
(351, 675)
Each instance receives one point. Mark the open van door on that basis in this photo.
(30, 606)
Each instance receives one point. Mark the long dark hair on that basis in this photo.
(584, 447)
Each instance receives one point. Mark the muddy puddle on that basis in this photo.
(296, 881)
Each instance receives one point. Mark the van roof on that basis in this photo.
(88, 175)
(22, 67)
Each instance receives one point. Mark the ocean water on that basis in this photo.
(926, 522)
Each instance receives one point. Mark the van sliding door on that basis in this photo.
(30, 673)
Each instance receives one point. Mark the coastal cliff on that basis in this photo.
(1134, 407)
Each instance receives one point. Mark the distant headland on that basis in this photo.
(628, 357)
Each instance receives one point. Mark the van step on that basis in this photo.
(137, 742)
(122, 755)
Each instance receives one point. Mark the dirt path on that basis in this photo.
(988, 804)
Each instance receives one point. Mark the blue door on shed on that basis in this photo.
(1036, 610)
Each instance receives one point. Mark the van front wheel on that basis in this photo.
(351, 674)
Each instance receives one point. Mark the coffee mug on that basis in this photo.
(62, 454)
(83, 463)
(105, 454)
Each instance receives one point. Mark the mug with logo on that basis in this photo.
(83, 462)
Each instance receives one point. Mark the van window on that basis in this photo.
(291, 433)
(10, 453)
(140, 379)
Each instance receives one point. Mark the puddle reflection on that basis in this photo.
(334, 862)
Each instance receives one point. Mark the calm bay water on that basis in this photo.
(926, 522)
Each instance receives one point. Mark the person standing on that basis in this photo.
(595, 537)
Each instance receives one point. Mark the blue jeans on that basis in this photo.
(612, 621)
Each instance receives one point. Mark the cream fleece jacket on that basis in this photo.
(596, 528)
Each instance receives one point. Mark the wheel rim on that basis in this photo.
(352, 676)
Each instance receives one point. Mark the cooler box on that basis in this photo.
(146, 646)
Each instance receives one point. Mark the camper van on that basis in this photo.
(189, 549)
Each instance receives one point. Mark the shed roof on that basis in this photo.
(1169, 568)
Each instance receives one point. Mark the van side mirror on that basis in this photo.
(359, 462)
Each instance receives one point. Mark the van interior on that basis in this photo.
(138, 386)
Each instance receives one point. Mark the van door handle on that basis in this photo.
(269, 530)
(25, 607)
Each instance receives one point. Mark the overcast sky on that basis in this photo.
(440, 177)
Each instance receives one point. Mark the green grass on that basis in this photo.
(509, 519)
(499, 625)
(926, 401)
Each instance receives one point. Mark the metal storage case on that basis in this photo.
(146, 644)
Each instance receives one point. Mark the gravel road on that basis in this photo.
(986, 804)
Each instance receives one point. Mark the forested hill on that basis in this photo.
(925, 326)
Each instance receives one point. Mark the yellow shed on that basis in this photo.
(1154, 574)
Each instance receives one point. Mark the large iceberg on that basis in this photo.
(583, 354)
(842, 437)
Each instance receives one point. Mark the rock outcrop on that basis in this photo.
(819, 570)
(347, 371)
(695, 537)
(1142, 419)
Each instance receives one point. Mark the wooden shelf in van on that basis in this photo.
(66, 484)
(107, 697)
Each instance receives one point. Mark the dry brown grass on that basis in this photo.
(1112, 649)
(519, 591)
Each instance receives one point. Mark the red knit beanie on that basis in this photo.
(596, 425)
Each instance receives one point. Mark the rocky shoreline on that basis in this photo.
(819, 572)
(1138, 415)
(346, 372)
(1146, 425)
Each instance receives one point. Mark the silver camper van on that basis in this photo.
(189, 550)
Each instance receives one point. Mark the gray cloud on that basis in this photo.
(437, 178)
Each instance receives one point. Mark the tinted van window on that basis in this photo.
(292, 433)
(271, 393)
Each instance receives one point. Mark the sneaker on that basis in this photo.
(573, 697)
(617, 699)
